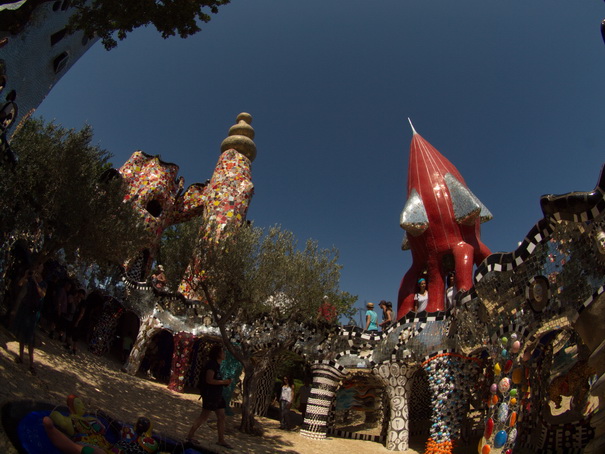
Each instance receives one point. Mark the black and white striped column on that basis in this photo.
(326, 378)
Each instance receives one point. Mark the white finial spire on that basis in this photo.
(412, 126)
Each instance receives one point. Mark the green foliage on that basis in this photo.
(291, 365)
(55, 198)
(104, 17)
(176, 249)
(251, 272)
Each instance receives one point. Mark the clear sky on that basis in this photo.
(511, 92)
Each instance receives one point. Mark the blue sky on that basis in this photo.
(510, 92)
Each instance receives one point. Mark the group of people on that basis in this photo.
(59, 302)
(372, 317)
(421, 300)
(64, 310)
(212, 384)
(421, 297)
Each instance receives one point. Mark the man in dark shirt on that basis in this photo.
(212, 396)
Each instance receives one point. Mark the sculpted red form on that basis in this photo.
(441, 218)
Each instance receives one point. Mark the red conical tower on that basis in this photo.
(441, 218)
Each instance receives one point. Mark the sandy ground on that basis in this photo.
(99, 382)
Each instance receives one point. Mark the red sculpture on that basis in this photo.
(441, 218)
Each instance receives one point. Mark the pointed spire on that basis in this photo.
(412, 126)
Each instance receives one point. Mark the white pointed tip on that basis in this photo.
(412, 126)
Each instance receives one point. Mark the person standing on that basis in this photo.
(28, 313)
(326, 312)
(285, 400)
(159, 278)
(60, 308)
(387, 314)
(421, 299)
(450, 291)
(212, 396)
(371, 318)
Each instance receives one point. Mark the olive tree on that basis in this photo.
(176, 249)
(58, 198)
(264, 292)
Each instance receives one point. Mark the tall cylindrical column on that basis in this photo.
(326, 378)
(398, 380)
(181, 358)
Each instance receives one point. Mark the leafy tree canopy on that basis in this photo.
(263, 288)
(251, 272)
(56, 198)
(104, 17)
(176, 249)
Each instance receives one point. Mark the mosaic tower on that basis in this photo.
(227, 195)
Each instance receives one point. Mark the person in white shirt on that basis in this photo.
(421, 299)
(285, 401)
(450, 291)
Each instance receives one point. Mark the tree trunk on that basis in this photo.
(247, 423)
(255, 389)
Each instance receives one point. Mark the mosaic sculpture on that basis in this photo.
(518, 339)
(83, 432)
(505, 355)
(223, 202)
(544, 325)
(81, 427)
(104, 330)
(157, 194)
(441, 218)
(32, 61)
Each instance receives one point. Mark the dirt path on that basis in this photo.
(99, 382)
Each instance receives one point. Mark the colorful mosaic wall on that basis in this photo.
(181, 358)
(450, 382)
(157, 194)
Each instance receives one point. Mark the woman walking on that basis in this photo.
(212, 396)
